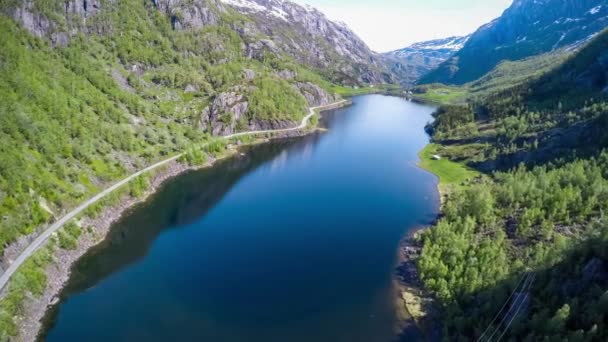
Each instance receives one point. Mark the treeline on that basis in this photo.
(452, 121)
(494, 232)
(544, 218)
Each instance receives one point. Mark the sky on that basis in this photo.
(387, 25)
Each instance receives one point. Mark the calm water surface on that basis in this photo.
(295, 241)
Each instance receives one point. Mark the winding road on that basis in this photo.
(42, 238)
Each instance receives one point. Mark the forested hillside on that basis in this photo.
(521, 254)
(109, 88)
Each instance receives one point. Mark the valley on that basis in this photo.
(168, 159)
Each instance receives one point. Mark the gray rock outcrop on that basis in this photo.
(190, 14)
(315, 95)
(75, 15)
(223, 114)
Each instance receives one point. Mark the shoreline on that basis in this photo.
(31, 319)
(59, 271)
(414, 305)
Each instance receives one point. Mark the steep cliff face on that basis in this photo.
(527, 28)
(315, 95)
(311, 38)
(193, 14)
(58, 21)
(412, 62)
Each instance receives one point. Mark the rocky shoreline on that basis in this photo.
(58, 272)
(414, 304)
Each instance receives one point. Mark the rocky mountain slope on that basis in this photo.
(308, 36)
(527, 28)
(411, 63)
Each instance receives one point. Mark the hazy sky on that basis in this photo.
(392, 24)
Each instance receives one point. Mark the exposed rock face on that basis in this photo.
(257, 49)
(301, 32)
(83, 8)
(227, 113)
(249, 74)
(527, 28)
(315, 95)
(311, 38)
(412, 62)
(75, 13)
(192, 14)
(223, 114)
(37, 24)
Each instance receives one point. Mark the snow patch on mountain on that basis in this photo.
(272, 7)
(414, 61)
(449, 45)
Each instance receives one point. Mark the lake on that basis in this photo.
(295, 240)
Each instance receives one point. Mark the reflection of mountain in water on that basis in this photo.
(179, 202)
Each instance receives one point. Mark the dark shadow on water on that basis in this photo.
(177, 203)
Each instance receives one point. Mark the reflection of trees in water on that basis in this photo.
(177, 203)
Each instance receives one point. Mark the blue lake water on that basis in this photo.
(294, 241)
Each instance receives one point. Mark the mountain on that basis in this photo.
(526, 28)
(584, 73)
(411, 63)
(308, 36)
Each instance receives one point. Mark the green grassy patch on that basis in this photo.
(441, 94)
(450, 173)
(350, 91)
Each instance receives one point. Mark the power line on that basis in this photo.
(526, 283)
(517, 311)
(503, 306)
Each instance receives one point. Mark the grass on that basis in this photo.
(348, 91)
(451, 174)
(443, 94)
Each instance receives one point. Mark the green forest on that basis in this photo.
(75, 118)
(535, 228)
